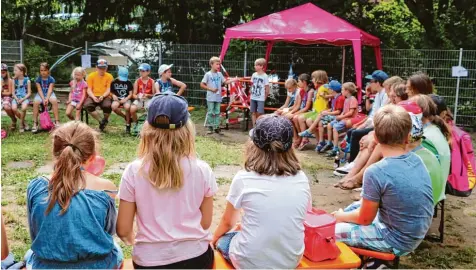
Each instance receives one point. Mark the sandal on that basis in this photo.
(303, 144)
(34, 129)
(349, 185)
(13, 126)
(296, 144)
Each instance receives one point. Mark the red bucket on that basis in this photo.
(319, 236)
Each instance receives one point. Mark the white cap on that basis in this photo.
(163, 68)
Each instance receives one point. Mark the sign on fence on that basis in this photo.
(459, 71)
(115, 60)
(86, 61)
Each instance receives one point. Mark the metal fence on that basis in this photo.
(12, 52)
(191, 62)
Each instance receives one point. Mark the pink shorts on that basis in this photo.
(358, 118)
(7, 101)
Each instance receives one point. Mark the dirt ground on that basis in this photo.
(460, 213)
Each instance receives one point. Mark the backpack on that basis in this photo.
(462, 178)
(45, 121)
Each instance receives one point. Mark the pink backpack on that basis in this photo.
(462, 178)
(45, 121)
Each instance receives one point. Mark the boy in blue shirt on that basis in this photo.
(212, 83)
(396, 208)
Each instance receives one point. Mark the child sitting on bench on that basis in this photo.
(293, 100)
(396, 208)
(272, 228)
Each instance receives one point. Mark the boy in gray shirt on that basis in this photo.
(396, 208)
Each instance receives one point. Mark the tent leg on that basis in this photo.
(343, 64)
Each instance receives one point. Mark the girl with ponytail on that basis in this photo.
(71, 214)
(436, 132)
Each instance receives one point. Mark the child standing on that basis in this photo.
(169, 191)
(21, 93)
(7, 86)
(272, 172)
(165, 82)
(259, 89)
(144, 90)
(320, 102)
(121, 90)
(342, 121)
(396, 208)
(44, 85)
(212, 83)
(77, 95)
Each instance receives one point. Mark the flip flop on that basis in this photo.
(349, 185)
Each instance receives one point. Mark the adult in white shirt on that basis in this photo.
(274, 194)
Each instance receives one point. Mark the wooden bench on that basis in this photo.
(346, 260)
(246, 111)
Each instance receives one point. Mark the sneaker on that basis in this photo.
(334, 152)
(26, 127)
(128, 129)
(13, 126)
(344, 170)
(34, 129)
(320, 146)
(306, 134)
(103, 124)
(327, 147)
(135, 129)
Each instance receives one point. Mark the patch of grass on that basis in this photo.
(218, 153)
(443, 258)
(223, 181)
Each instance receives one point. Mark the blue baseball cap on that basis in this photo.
(144, 66)
(123, 73)
(377, 75)
(334, 85)
(170, 105)
(101, 63)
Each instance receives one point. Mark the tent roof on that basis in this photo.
(304, 24)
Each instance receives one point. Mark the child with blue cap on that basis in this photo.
(121, 90)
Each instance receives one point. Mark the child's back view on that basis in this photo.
(169, 191)
(396, 209)
(274, 195)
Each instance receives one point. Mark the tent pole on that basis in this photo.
(343, 64)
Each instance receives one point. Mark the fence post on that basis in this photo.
(457, 85)
(245, 61)
(21, 50)
(86, 47)
(160, 53)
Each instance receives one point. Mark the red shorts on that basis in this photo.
(358, 118)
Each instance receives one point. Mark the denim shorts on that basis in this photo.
(38, 98)
(338, 125)
(326, 119)
(25, 102)
(257, 106)
(223, 244)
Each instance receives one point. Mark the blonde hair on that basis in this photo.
(400, 90)
(78, 70)
(272, 162)
(290, 83)
(350, 86)
(161, 151)
(393, 80)
(22, 68)
(260, 62)
(214, 59)
(430, 112)
(392, 125)
(319, 77)
(74, 143)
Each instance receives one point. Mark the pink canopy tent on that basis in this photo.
(306, 24)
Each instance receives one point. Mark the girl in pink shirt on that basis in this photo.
(169, 191)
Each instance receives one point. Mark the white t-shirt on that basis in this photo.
(168, 221)
(259, 86)
(272, 233)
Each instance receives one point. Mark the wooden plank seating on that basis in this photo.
(246, 111)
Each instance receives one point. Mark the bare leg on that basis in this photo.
(54, 104)
(253, 118)
(117, 110)
(95, 115)
(69, 112)
(134, 113)
(321, 132)
(356, 180)
(127, 108)
(10, 113)
(36, 110)
(329, 133)
(336, 137)
(23, 114)
(301, 123)
(78, 114)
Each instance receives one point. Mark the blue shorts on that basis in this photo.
(25, 102)
(257, 106)
(223, 244)
(326, 119)
(338, 125)
(38, 98)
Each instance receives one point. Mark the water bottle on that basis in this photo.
(337, 161)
